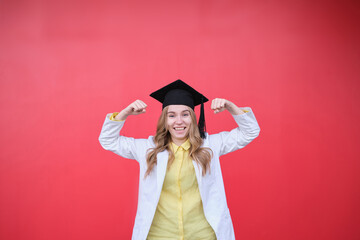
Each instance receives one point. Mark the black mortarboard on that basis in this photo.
(179, 93)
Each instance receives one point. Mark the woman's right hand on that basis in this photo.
(135, 108)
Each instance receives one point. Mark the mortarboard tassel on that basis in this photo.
(201, 124)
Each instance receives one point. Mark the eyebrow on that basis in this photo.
(181, 111)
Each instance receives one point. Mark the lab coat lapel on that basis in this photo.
(162, 160)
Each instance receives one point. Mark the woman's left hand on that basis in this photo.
(220, 104)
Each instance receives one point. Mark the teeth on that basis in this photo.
(180, 128)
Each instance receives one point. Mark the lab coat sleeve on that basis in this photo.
(110, 139)
(248, 129)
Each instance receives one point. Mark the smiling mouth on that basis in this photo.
(179, 129)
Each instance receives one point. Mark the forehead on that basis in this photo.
(177, 108)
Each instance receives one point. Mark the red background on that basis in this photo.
(65, 64)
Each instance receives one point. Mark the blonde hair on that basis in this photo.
(162, 139)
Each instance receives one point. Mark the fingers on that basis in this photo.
(138, 107)
(218, 105)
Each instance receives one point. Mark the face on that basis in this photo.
(178, 121)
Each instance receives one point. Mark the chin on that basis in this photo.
(180, 137)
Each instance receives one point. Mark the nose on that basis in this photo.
(178, 119)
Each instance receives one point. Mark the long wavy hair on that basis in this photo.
(162, 139)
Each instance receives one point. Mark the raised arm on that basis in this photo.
(110, 139)
(247, 130)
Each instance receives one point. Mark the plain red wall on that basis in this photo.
(65, 64)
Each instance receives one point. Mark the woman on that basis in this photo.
(181, 190)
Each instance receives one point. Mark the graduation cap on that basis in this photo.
(179, 93)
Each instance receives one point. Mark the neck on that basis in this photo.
(178, 141)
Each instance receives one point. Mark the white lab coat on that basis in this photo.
(211, 185)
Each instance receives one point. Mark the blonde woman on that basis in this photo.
(181, 190)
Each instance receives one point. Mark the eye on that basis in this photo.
(186, 114)
(171, 115)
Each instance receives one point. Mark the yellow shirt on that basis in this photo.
(180, 214)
